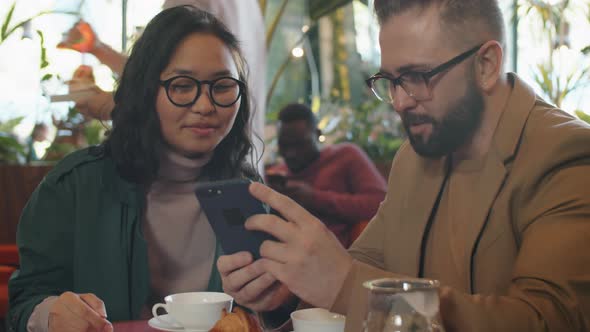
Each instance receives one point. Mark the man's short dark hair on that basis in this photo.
(460, 16)
(295, 112)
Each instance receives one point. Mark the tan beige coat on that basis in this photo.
(529, 268)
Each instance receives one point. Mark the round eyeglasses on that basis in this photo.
(415, 83)
(184, 91)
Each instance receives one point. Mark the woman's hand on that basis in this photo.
(249, 284)
(78, 312)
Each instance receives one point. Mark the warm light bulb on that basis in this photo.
(297, 52)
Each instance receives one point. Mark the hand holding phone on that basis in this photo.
(228, 204)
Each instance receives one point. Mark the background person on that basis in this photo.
(40, 133)
(338, 184)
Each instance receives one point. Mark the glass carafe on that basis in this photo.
(402, 305)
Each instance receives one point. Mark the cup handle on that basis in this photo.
(155, 312)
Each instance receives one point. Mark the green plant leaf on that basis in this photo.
(319, 8)
(8, 126)
(275, 23)
(4, 32)
(44, 63)
(262, 4)
(58, 150)
(46, 77)
(10, 142)
(586, 50)
(371, 125)
(94, 132)
(23, 22)
(583, 116)
(543, 79)
(10, 149)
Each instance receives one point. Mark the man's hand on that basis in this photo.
(301, 192)
(309, 259)
(249, 284)
(78, 312)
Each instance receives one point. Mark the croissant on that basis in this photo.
(236, 321)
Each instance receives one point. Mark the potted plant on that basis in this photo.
(17, 178)
(11, 150)
(556, 84)
(372, 125)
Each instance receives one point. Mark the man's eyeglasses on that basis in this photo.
(184, 91)
(414, 83)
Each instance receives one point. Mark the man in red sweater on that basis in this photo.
(338, 184)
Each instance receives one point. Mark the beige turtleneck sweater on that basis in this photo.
(180, 241)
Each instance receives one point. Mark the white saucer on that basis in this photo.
(170, 326)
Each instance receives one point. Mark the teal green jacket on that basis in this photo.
(81, 232)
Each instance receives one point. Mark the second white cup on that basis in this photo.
(195, 310)
(317, 320)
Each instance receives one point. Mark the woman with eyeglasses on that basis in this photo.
(113, 229)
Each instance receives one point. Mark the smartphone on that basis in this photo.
(228, 204)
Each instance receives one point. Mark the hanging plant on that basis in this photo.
(556, 86)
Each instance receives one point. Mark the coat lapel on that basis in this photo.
(131, 199)
(118, 188)
(419, 202)
(494, 173)
(485, 190)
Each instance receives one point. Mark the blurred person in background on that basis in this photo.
(338, 184)
(40, 133)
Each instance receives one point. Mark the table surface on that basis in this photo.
(134, 326)
(143, 326)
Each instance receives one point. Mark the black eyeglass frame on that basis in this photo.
(199, 83)
(426, 76)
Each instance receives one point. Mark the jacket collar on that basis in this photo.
(514, 117)
(120, 189)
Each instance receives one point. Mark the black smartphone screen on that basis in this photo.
(228, 204)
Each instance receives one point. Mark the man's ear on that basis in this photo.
(489, 65)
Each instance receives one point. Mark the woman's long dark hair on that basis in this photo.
(136, 140)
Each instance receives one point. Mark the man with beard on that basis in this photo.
(491, 197)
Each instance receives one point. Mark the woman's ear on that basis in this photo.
(489, 65)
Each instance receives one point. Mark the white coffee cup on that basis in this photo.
(317, 320)
(196, 310)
